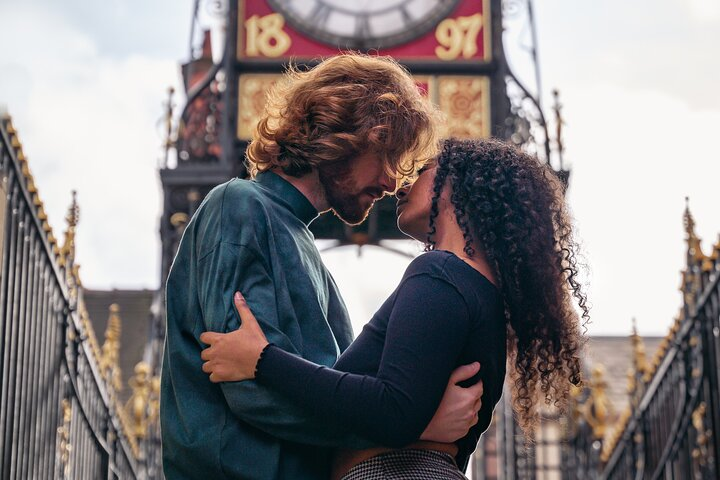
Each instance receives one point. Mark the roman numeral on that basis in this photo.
(407, 19)
(320, 13)
(362, 26)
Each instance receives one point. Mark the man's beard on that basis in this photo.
(341, 193)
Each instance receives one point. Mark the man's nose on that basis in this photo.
(388, 183)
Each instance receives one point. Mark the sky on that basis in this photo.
(85, 83)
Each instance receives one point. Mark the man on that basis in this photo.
(337, 137)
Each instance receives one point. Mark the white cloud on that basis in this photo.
(705, 11)
(89, 122)
(637, 154)
(641, 112)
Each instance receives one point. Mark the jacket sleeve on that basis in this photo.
(232, 267)
(426, 332)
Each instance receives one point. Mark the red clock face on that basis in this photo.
(435, 30)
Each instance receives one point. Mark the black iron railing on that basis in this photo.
(58, 416)
(667, 431)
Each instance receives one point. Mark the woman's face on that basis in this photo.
(413, 206)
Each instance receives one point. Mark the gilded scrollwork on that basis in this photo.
(64, 448)
(110, 354)
(700, 453)
(252, 93)
(465, 101)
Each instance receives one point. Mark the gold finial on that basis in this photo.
(559, 122)
(16, 143)
(631, 381)
(30, 182)
(639, 358)
(694, 252)
(640, 368)
(73, 215)
(137, 407)
(716, 249)
(67, 251)
(179, 220)
(598, 409)
(110, 356)
(169, 142)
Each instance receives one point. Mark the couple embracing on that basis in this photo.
(261, 378)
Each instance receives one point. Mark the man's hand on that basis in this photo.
(458, 410)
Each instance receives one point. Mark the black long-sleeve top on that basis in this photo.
(387, 385)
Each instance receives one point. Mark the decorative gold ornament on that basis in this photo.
(179, 220)
(597, 409)
(700, 452)
(465, 101)
(110, 356)
(63, 446)
(252, 93)
(138, 404)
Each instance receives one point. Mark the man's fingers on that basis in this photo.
(206, 367)
(205, 354)
(464, 372)
(477, 389)
(209, 338)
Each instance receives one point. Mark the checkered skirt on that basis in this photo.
(407, 464)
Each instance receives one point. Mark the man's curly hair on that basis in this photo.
(512, 207)
(345, 106)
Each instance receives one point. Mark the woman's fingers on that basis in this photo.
(243, 309)
(249, 322)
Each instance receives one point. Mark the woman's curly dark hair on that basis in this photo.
(512, 206)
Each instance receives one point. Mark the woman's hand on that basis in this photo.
(231, 357)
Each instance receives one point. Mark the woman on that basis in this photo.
(497, 281)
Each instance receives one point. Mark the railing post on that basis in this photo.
(708, 315)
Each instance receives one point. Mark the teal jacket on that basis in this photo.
(250, 236)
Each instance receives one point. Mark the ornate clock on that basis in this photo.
(364, 24)
(446, 44)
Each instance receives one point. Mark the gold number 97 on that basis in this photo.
(458, 36)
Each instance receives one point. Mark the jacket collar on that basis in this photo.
(296, 201)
